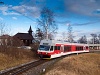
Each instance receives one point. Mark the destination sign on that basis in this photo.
(45, 43)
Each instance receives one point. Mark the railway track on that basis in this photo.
(22, 68)
(25, 67)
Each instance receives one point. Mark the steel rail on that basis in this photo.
(22, 68)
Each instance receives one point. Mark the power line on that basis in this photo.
(23, 6)
(23, 14)
(19, 12)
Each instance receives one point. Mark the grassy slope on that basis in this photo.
(16, 57)
(83, 64)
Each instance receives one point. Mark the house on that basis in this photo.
(26, 38)
(4, 39)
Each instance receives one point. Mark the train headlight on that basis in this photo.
(46, 53)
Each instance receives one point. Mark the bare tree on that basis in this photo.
(50, 36)
(2, 32)
(83, 39)
(99, 38)
(2, 29)
(64, 35)
(46, 22)
(16, 42)
(94, 39)
(70, 36)
(3, 36)
(39, 34)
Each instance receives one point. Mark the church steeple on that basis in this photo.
(30, 30)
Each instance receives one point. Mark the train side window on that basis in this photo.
(67, 48)
(57, 47)
(76, 48)
(51, 49)
(79, 48)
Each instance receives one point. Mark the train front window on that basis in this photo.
(43, 47)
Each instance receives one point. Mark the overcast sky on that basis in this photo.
(83, 15)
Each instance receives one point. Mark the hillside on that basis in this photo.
(82, 64)
(14, 57)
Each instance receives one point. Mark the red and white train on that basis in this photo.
(53, 48)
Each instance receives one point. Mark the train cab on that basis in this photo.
(45, 49)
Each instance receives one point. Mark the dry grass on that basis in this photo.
(14, 56)
(83, 64)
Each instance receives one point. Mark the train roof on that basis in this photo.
(53, 42)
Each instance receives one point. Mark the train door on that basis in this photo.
(62, 49)
(84, 47)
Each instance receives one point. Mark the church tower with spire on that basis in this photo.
(30, 31)
(26, 38)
